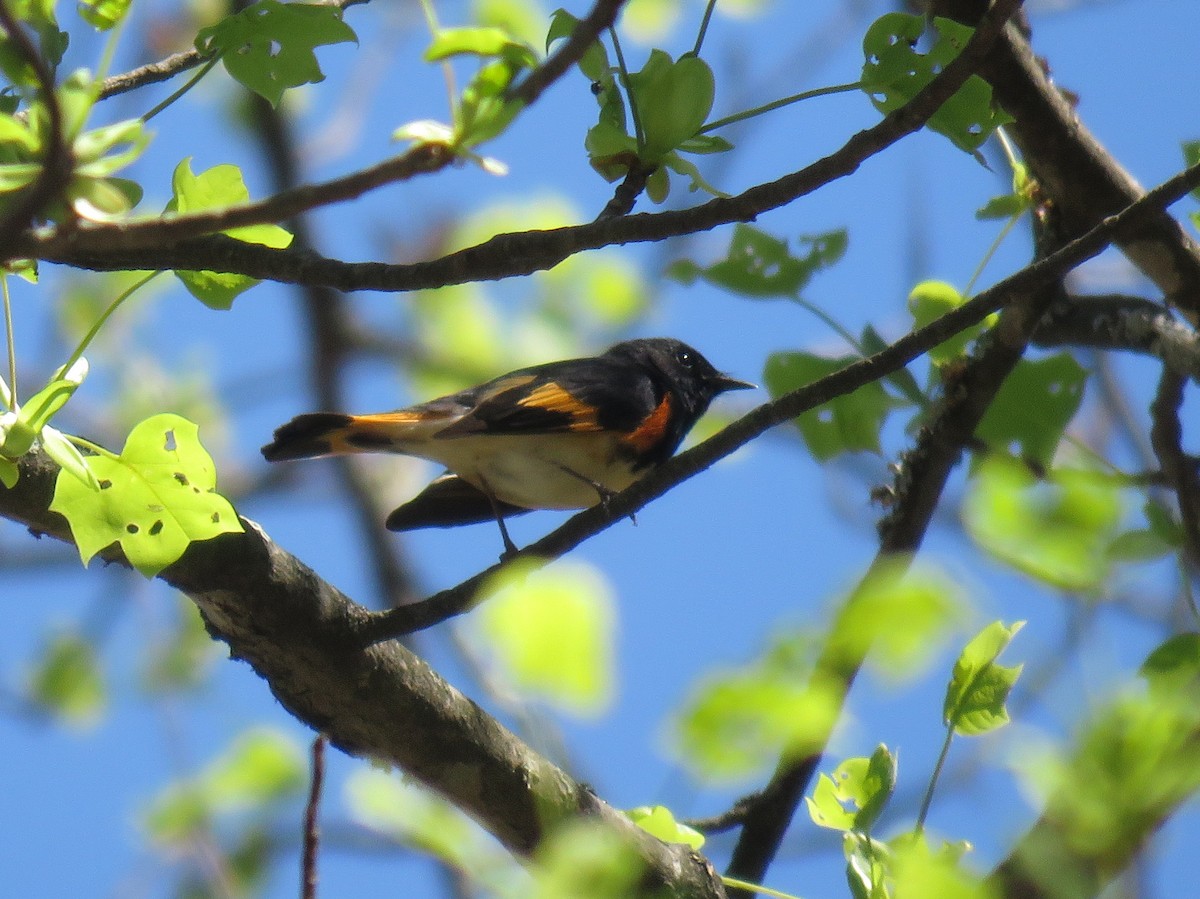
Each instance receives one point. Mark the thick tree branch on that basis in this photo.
(381, 702)
(1119, 322)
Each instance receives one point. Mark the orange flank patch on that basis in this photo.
(647, 435)
(553, 398)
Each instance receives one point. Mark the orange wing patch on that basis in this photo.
(647, 435)
(551, 397)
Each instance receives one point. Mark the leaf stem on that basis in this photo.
(431, 21)
(191, 82)
(10, 342)
(755, 888)
(105, 315)
(937, 772)
(708, 11)
(84, 443)
(778, 104)
(991, 251)
(633, 107)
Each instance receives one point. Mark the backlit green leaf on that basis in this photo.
(157, 497)
(658, 821)
(673, 99)
(978, 689)
(856, 794)
(103, 14)
(217, 188)
(1057, 529)
(552, 631)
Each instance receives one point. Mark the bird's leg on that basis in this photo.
(603, 492)
(510, 548)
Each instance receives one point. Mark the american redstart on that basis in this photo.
(563, 435)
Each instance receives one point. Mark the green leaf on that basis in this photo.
(761, 265)
(594, 63)
(38, 16)
(898, 618)
(1173, 668)
(261, 768)
(979, 688)
(857, 793)
(1191, 156)
(689, 170)
(216, 188)
(1057, 529)
(868, 863)
(9, 473)
(103, 14)
(68, 457)
(552, 631)
(1033, 407)
(895, 71)
(487, 41)
(673, 100)
(929, 301)
(68, 681)
(849, 423)
(485, 111)
(32, 417)
(180, 660)
(1005, 206)
(740, 719)
(658, 821)
(583, 859)
(920, 871)
(268, 46)
(408, 813)
(157, 497)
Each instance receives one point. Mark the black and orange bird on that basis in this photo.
(563, 435)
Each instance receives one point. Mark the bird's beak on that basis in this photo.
(724, 382)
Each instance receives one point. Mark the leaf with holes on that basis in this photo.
(1033, 407)
(896, 70)
(157, 497)
(269, 46)
(846, 424)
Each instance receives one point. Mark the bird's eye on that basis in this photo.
(684, 358)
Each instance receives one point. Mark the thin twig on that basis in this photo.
(312, 830)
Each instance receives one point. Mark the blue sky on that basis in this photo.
(766, 539)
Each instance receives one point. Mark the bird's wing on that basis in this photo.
(447, 502)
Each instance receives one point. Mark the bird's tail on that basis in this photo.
(309, 436)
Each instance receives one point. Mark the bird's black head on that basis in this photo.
(682, 369)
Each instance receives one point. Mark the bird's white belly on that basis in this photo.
(544, 471)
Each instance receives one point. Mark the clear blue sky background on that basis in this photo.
(765, 539)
